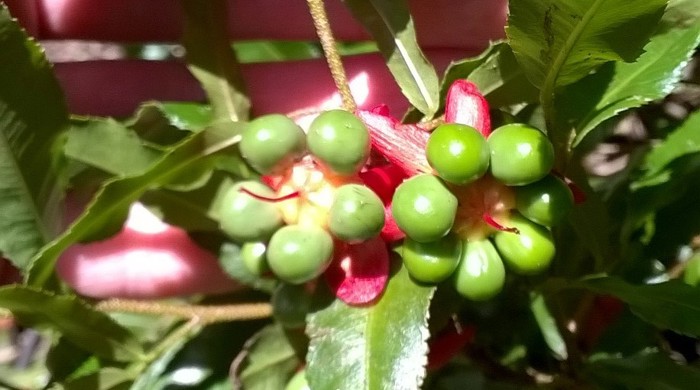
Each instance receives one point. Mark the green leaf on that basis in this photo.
(560, 41)
(617, 87)
(108, 378)
(383, 346)
(32, 116)
(214, 63)
(268, 360)
(167, 123)
(649, 369)
(670, 305)
(108, 145)
(501, 79)
(681, 13)
(548, 327)
(391, 26)
(683, 141)
(66, 361)
(107, 211)
(75, 320)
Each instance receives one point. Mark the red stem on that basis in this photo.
(492, 222)
(292, 195)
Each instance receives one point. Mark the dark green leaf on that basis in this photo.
(66, 361)
(670, 305)
(151, 378)
(268, 360)
(108, 145)
(94, 331)
(214, 63)
(32, 116)
(560, 41)
(620, 86)
(391, 26)
(648, 369)
(106, 213)
(461, 69)
(273, 51)
(383, 346)
(232, 264)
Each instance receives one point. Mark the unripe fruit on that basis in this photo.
(530, 251)
(458, 153)
(424, 208)
(357, 213)
(546, 201)
(520, 154)
(431, 262)
(245, 218)
(340, 141)
(480, 274)
(272, 142)
(297, 254)
(254, 259)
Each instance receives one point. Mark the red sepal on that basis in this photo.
(403, 145)
(466, 105)
(447, 344)
(359, 272)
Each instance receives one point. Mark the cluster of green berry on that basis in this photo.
(491, 201)
(292, 230)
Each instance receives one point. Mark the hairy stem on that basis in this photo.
(335, 64)
(203, 314)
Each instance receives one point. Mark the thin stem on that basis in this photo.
(204, 314)
(335, 64)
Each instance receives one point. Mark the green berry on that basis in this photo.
(254, 259)
(546, 201)
(431, 262)
(340, 141)
(272, 142)
(424, 208)
(480, 274)
(298, 382)
(520, 154)
(528, 252)
(692, 270)
(297, 254)
(458, 153)
(357, 213)
(245, 218)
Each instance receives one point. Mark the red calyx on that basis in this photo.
(466, 105)
(403, 145)
(359, 272)
(447, 344)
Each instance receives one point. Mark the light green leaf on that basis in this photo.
(94, 331)
(108, 378)
(269, 360)
(167, 123)
(617, 87)
(548, 326)
(32, 116)
(560, 41)
(391, 26)
(649, 369)
(670, 305)
(214, 63)
(383, 346)
(683, 141)
(108, 145)
(106, 213)
(681, 13)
